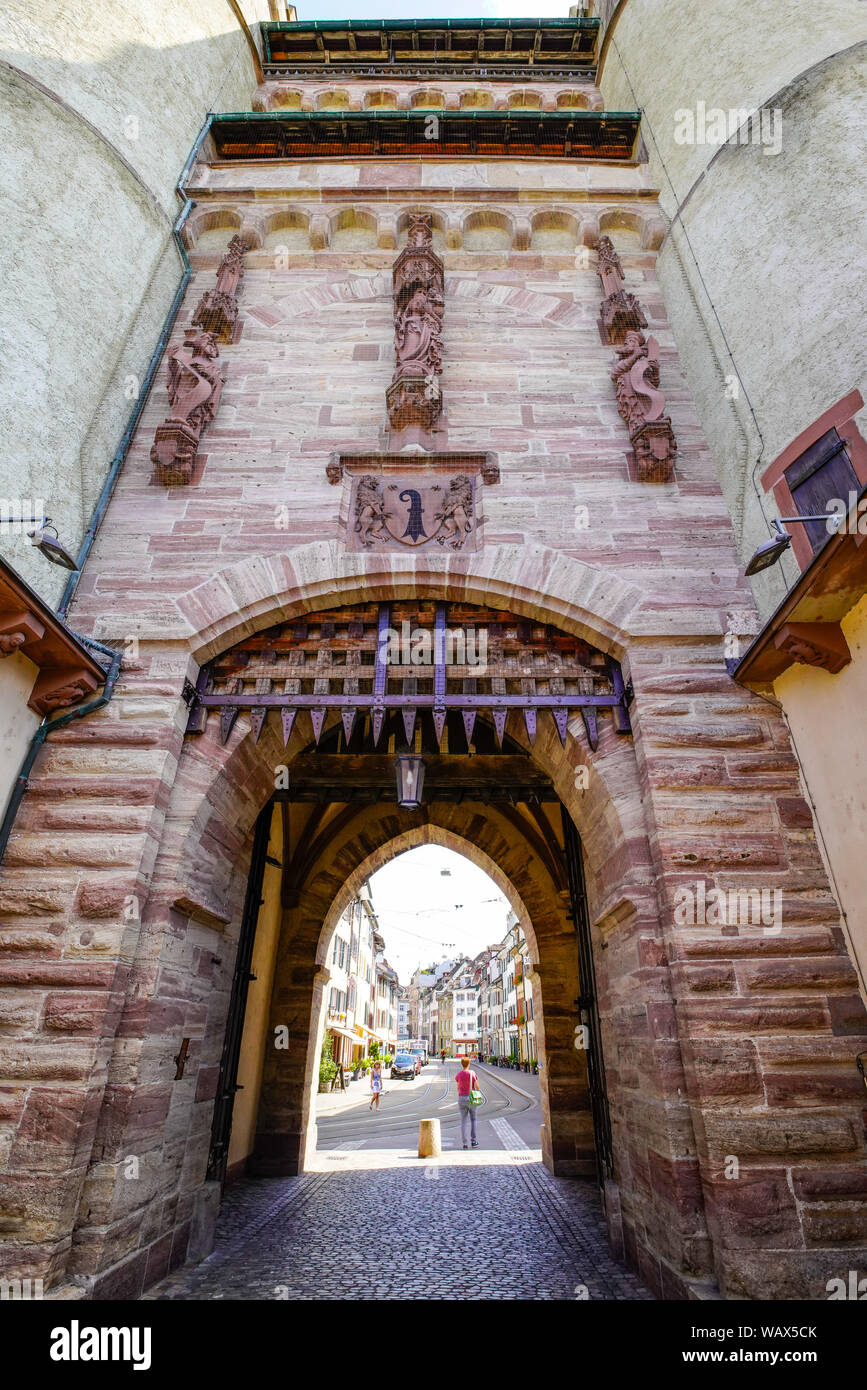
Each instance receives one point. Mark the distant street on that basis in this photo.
(431, 1095)
(370, 1220)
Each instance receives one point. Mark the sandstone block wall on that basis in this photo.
(125, 878)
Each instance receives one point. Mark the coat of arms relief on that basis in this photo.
(413, 512)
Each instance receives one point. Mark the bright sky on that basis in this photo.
(426, 915)
(431, 9)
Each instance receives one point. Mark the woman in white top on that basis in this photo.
(375, 1086)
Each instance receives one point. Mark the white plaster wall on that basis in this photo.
(763, 270)
(144, 72)
(820, 708)
(102, 105)
(663, 55)
(18, 723)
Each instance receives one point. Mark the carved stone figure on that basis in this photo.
(217, 310)
(635, 374)
(417, 340)
(610, 268)
(412, 511)
(195, 380)
(457, 513)
(620, 309)
(195, 386)
(370, 512)
(414, 396)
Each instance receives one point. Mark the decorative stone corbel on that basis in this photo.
(454, 232)
(815, 644)
(18, 628)
(386, 238)
(319, 232)
(56, 690)
(523, 234)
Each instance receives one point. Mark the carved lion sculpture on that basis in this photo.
(370, 512)
(457, 513)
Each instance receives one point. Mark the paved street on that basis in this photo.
(371, 1220)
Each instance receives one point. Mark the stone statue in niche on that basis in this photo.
(217, 310)
(414, 397)
(195, 386)
(457, 513)
(635, 374)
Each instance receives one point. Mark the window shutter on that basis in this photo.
(822, 472)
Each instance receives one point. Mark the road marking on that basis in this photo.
(518, 1151)
(344, 1150)
(432, 1173)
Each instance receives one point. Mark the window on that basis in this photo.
(823, 471)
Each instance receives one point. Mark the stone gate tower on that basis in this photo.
(423, 367)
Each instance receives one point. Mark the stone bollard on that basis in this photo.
(429, 1145)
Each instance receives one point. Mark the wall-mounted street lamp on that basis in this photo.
(50, 546)
(47, 544)
(770, 551)
(409, 768)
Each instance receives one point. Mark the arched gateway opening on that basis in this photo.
(273, 778)
(467, 693)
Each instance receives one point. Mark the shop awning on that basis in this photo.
(345, 1033)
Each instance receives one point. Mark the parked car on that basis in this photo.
(404, 1065)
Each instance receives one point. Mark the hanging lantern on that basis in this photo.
(410, 779)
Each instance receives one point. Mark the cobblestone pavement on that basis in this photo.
(379, 1223)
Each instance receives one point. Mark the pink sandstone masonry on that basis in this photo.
(125, 877)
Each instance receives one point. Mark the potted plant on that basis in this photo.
(327, 1065)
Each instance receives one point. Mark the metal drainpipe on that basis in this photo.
(135, 414)
(113, 671)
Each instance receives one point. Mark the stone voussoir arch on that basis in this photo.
(591, 601)
(375, 835)
(428, 833)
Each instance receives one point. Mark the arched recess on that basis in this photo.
(221, 788)
(197, 882)
(363, 839)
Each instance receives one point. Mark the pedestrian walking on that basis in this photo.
(467, 1082)
(375, 1086)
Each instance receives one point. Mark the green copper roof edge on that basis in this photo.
(346, 25)
(421, 112)
(390, 26)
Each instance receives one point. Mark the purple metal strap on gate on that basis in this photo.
(380, 676)
(439, 716)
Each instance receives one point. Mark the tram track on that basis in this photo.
(437, 1100)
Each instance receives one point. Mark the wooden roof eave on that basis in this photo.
(829, 588)
(29, 627)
